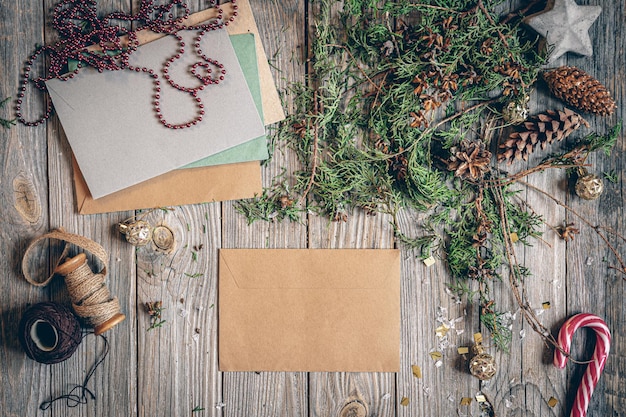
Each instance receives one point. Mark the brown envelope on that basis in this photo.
(196, 185)
(335, 310)
(177, 187)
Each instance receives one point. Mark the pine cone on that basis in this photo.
(542, 130)
(580, 90)
(469, 159)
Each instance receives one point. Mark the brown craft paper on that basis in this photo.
(310, 310)
(177, 187)
(197, 185)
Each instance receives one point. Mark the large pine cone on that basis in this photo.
(469, 159)
(580, 90)
(542, 130)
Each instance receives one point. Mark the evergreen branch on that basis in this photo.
(4, 122)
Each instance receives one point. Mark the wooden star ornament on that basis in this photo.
(565, 26)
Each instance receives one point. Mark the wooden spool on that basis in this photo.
(71, 265)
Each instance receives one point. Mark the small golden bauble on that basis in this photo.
(138, 232)
(483, 365)
(516, 112)
(589, 186)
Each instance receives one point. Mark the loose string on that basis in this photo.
(73, 398)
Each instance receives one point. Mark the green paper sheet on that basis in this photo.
(256, 149)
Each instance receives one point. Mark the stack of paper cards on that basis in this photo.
(126, 159)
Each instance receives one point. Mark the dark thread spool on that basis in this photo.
(90, 296)
(49, 332)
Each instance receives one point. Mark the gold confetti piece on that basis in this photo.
(417, 371)
(430, 261)
(478, 338)
(442, 330)
(466, 401)
(546, 305)
(514, 237)
(436, 355)
(481, 398)
(552, 402)
(404, 401)
(463, 350)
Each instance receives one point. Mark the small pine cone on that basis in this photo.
(580, 90)
(469, 159)
(542, 130)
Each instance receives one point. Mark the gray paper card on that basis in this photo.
(115, 134)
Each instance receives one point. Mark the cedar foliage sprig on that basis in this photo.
(5, 122)
(392, 89)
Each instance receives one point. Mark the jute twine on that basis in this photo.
(90, 296)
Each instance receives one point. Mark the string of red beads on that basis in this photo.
(80, 27)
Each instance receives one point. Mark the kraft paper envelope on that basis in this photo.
(177, 187)
(117, 139)
(310, 310)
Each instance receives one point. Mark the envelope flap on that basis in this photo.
(309, 268)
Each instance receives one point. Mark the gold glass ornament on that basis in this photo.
(482, 365)
(516, 111)
(137, 232)
(589, 186)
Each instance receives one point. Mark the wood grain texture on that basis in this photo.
(24, 382)
(177, 366)
(115, 382)
(281, 25)
(173, 370)
(337, 394)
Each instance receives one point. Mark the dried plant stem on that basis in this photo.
(622, 267)
(517, 284)
(356, 64)
(482, 7)
(520, 12)
(314, 156)
(539, 168)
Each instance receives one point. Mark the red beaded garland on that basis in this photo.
(79, 27)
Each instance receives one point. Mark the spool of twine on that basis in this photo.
(49, 332)
(90, 296)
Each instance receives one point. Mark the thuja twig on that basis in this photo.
(441, 123)
(5, 122)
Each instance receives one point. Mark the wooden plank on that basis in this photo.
(281, 26)
(114, 382)
(23, 196)
(177, 364)
(526, 379)
(593, 287)
(426, 305)
(348, 394)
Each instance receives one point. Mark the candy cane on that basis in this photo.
(595, 367)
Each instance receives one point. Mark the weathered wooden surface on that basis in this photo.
(173, 370)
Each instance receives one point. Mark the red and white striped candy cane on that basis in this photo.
(595, 367)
